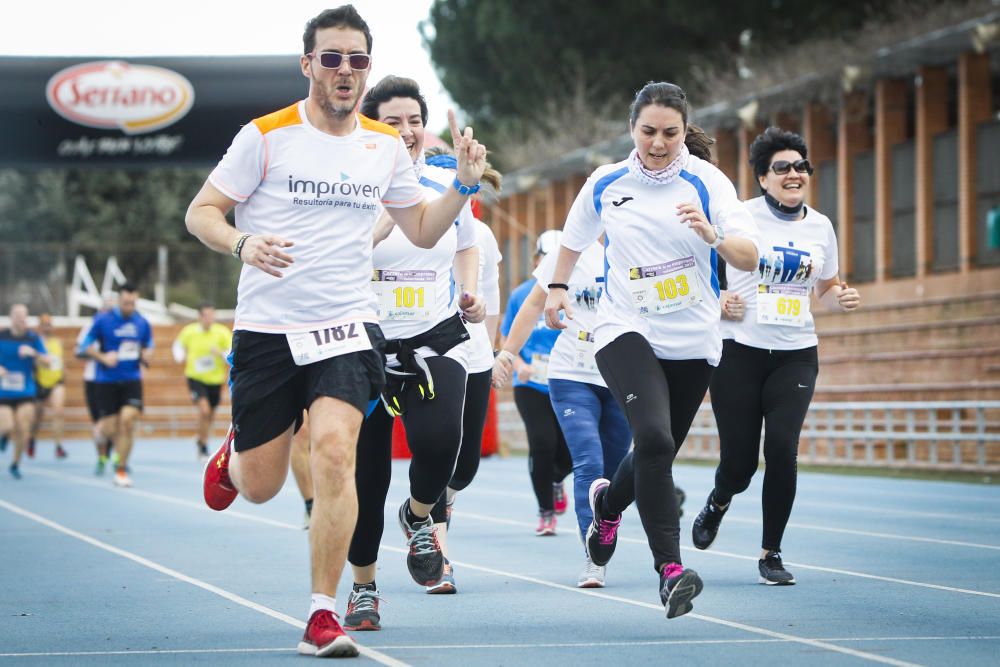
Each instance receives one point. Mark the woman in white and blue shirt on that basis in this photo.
(667, 216)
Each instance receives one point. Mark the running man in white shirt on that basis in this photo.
(667, 215)
(770, 360)
(307, 183)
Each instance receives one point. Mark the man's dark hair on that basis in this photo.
(127, 287)
(388, 88)
(205, 304)
(345, 16)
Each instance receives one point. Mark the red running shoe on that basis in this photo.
(31, 448)
(324, 637)
(219, 490)
(559, 501)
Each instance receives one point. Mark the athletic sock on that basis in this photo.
(412, 518)
(320, 601)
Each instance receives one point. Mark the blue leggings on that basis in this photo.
(596, 433)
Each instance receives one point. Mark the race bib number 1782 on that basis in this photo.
(313, 346)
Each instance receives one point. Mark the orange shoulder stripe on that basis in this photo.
(282, 118)
(376, 126)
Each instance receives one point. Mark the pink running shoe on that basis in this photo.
(559, 501)
(546, 524)
(602, 534)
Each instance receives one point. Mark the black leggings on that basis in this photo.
(549, 460)
(754, 387)
(477, 403)
(434, 434)
(660, 399)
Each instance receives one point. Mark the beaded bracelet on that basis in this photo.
(237, 251)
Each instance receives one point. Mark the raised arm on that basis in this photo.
(425, 223)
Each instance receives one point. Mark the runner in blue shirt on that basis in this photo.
(549, 459)
(20, 350)
(121, 341)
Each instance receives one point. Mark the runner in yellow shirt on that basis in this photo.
(202, 346)
(51, 391)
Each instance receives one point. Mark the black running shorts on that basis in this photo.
(90, 393)
(111, 397)
(199, 390)
(269, 392)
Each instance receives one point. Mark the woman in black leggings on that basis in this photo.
(769, 363)
(668, 215)
(423, 296)
(549, 460)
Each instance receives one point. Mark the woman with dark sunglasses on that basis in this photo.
(769, 362)
(667, 216)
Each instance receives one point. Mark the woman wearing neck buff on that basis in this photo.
(667, 216)
(769, 361)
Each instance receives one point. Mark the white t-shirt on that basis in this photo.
(572, 356)
(662, 280)
(794, 256)
(323, 193)
(481, 354)
(415, 286)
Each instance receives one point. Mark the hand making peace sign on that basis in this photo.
(471, 154)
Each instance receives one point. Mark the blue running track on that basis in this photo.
(889, 571)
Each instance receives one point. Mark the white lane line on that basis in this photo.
(180, 576)
(708, 619)
(725, 554)
(867, 533)
(200, 506)
(510, 522)
(179, 651)
(460, 647)
(740, 626)
(874, 508)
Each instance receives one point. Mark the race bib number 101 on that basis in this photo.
(313, 346)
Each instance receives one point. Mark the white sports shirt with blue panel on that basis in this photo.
(661, 277)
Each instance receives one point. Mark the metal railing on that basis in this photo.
(933, 435)
(936, 435)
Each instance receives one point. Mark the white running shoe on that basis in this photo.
(592, 576)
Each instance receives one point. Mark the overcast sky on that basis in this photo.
(121, 28)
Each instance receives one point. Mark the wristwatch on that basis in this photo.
(720, 236)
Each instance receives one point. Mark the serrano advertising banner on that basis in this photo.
(136, 112)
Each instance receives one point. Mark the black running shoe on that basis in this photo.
(706, 524)
(772, 572)
(678, 586)
(424, 560)
(602, 534)
(362, 609)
